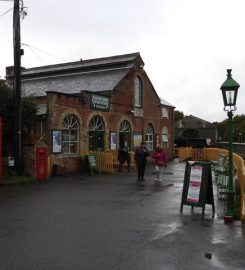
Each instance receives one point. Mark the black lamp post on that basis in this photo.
(229, 91)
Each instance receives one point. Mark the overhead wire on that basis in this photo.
(23, 13)
(32, 48)
(23, 9)
(35, 54)
(6, 12)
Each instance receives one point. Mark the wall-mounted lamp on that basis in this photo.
(132, 111)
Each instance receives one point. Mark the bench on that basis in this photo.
(221, 173)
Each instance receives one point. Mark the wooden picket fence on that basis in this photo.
(107, 161)
(116, 162)
(104, 160)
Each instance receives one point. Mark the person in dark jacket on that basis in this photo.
(141, 155)
(123, 156)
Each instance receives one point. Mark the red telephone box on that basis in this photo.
(41, 163)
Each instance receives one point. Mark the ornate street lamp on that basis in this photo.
(229, 91)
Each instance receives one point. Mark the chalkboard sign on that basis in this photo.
(198, 186)
(91, 159)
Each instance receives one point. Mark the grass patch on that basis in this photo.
(12, 178)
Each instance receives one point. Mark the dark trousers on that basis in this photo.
(121, 165)
(141, 170)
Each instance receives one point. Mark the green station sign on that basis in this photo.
(100, 102)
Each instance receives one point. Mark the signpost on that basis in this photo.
(198, 186)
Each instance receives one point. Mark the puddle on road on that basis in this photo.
(166, 230)
(218, 241)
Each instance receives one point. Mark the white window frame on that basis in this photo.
(138, 92)
(96, 124)
(125, 126)
(165, 137)
(70, 135)
(149, 137)
(164, 112)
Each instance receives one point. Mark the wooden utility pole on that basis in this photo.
(17, 88)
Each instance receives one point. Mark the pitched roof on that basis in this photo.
(94, 81)
(95, 75)
(32, 139)
(84, 64)
(166, 103)
(193, 122)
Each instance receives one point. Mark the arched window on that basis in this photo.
(125, 126)
(96, 133)
(125, 134)
(149, 137)
(138, 93)
(165, 137)
(70, 135)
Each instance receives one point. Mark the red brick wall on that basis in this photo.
(121, 102)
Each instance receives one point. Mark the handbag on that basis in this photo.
(159, 162)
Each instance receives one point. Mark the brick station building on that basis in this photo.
(97, 104)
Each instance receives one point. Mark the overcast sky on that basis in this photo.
(186, 45)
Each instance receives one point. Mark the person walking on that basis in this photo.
(141, 155)
(123, 156)
(159, 157)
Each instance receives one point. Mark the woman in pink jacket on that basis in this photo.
(159, 157)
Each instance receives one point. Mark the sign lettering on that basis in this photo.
(99, 102)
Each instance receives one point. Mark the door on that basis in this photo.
(96, 140)
(124, 139)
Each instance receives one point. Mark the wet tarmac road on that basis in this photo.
(111, 222)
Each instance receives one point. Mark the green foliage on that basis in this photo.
(28, 113)
(7, 113)
(238, 129)
(12, 178)
(178, 115)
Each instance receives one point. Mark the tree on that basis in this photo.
(178, 115)
(238, 129)
(7, 113)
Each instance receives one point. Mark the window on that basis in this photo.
(125, 126)
(164, 112)
(96, 133)
(96, 124)
(138, 93)
(70, 135)
(149, 136)
(165, 137)
(125, 135)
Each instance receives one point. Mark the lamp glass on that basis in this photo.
(229, 96)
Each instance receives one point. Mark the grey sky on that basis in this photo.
(186, 45)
